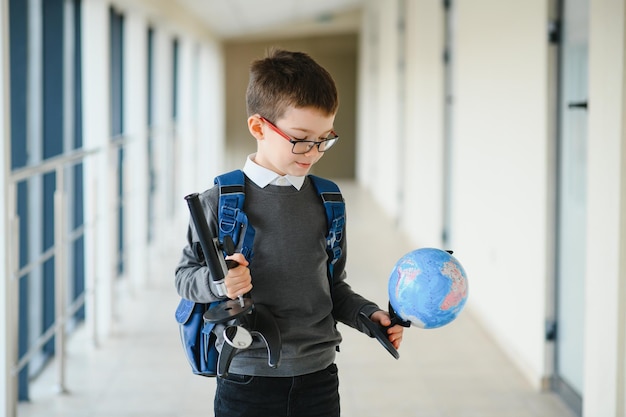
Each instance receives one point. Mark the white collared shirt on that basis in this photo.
(263, 177)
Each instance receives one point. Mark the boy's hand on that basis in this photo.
(238, 281)
(393, 333)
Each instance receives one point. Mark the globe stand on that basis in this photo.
(380, 332)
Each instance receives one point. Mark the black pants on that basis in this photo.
(311, 395)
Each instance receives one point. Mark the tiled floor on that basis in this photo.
(140, 370)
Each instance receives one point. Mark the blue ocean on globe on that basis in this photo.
(428, 287)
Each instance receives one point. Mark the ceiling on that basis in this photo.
(252, 19)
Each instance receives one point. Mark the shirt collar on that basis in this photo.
(263, 177)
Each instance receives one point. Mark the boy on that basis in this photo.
(291, 103)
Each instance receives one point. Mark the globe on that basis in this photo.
(428, 288)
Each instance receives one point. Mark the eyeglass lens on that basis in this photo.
(304, 146)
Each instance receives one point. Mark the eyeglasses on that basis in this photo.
(301, 146)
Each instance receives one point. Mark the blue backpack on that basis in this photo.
(197, 336)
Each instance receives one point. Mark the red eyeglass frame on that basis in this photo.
(295, 141)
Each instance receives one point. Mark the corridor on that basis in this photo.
(140, 370)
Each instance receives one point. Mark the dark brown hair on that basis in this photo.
(284, 79)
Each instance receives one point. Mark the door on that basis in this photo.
(572, 196)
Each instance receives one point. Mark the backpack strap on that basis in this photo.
(335, 216)
(231, 217)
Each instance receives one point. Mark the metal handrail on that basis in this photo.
(41, 259)
(50, 165)
(62, 237)
(57, 164)
(69, 158)
(65, 308)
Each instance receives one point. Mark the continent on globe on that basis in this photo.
(428, 287)
(458, 292)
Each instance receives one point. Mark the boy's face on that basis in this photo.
(274, 151)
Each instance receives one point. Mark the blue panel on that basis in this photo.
(175, 53)
(120, 234)
(150, 150)
(53, 89)
(150, 75)
(48, 267)
(78, 267)
(18, 56)
(117, 116)
(53, 85)
(23, 323)
(78, 78)
(117, 64)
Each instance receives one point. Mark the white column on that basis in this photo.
(99, 262)
(34, 133)
(386, 142)
(211, 117)
(367, 95)
(605, 290)
(136, 163)
(8, 351)
(423, 146)
(186, 140)
(162, 134)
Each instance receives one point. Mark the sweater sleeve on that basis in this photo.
(347, 304)
(192, 277)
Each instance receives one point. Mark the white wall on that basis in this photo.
(386, 141)
(504, 167)
(605, 289)
(422, 150)
(501, 170)
(500, 152)
(366, 94)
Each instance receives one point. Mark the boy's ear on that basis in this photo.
(255, 126)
